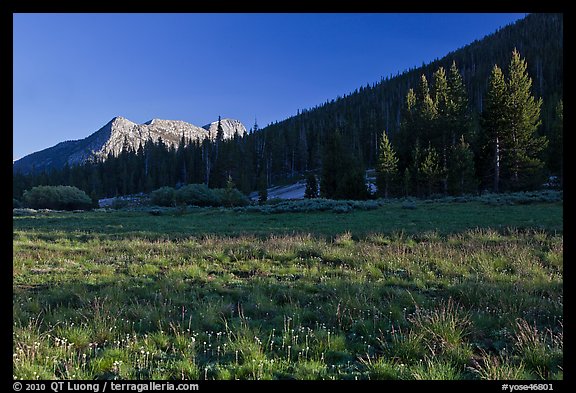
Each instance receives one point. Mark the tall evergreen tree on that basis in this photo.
(262, 189)
(523, 144)
(387, 166)
(407, 126)
(511, 119)
(207, 160)
(462, 179)
(440, 125)
(494, 124)
(415, 168)
(458, 122)
(219, 131)
(430, 168)
(407, 182)
(217, 177)
(181, 162)
(426, 112)
(458, 112)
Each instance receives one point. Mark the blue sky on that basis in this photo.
(75, 72)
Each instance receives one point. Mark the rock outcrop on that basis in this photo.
(115, 134)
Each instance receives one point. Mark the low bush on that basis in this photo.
(57, 198)
(198, 195)
(230, 197)
(311, 205)
(522, 198)
(164, 196)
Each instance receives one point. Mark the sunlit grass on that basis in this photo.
(97, 303)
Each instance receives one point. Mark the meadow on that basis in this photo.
(430, 290)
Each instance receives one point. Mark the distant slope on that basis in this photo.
(112, 137)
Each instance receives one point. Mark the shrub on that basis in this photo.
(164, 196)
(16, 203)
(522, 198)
(201, 195)
(197, 194)
(342, 208)
(57, 198)
(230, 197)
(311, 205)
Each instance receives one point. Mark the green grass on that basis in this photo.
(443, 218)
(445, 291)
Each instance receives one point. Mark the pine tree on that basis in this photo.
(217, 177)
(219, 133)
(523, 144)
(229, 192)
(311, 190)
(440, 125)
(407, 127)
(461, 169)
(207, 160)
(510, 121)
(302, 150)
(262, 190)
(407, 182)
(494, 124)
(387, 166)
(182, 172)
(458, 122)
(430, 168)
(353, 183)
(415, 171)
(426, 112)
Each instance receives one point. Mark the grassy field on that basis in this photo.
(442, 291)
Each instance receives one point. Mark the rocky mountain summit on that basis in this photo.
(229, 126)
(112, 137)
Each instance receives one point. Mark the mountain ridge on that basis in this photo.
(111, 138)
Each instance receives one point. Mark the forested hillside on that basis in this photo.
(295, 144)
(353, 128)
